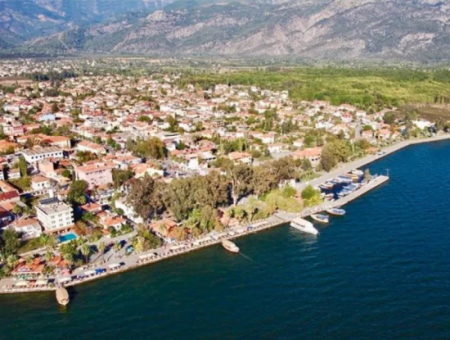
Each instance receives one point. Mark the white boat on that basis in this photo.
(62, 296)
(326, 186)
(322, 218)
(304, 225)
(336, 212)
(230, 246)
(357, 172)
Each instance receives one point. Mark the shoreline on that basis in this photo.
(136, 260)
(361, 162)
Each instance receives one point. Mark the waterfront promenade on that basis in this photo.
(119, 262)
(356, 164)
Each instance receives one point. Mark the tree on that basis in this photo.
(327, 159)
(285, 169)
(264, 179)
(150, 148)
(144, 197)
(389, 118)
(77, 192)
(23, 167)
(10, 241)
(240, 177)
(86, 251)
(308, 192)
(102, 248)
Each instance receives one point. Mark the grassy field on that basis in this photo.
(362, 87)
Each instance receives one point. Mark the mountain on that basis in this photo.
(26, 19)
(415, 30)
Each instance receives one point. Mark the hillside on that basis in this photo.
(413, 30)
(26, 19)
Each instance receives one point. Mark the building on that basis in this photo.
(40, 183)
(87, 146)
(28, 228)
(313, 154)
(54, 215)
(95, 174)
(37, 155)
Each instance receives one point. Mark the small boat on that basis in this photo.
(326, 186)
(345, 179)
(322, 218)
(230, 246)
(62, 296)
(357, 172)
(304, 225)
(336, 212)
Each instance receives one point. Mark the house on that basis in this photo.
(241, 157)
(39, 183)
(313, 154)
(142, 169)
(55, 216)
(13, 173)
(298, 143)
(276, 147)
(91, 147)
(95, 174)
(28, 228)
(47, 168)
(128, 210)
(163, 227)
(57, 141)
(111, 220)
(92, 208)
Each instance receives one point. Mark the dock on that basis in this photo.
(374, 183)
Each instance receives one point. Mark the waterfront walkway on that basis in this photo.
(347, 167)
(119, 262)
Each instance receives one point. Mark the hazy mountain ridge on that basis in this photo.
(27, 19)
(324, 29)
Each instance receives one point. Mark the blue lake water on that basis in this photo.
(380, 272)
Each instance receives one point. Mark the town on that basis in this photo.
(98, 168)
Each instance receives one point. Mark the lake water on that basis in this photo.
(380, 272)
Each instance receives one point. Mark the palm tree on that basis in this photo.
(86, 251)
(11, 260)
(117, 246)
(48, 256)
(102, 248)
(69, 258)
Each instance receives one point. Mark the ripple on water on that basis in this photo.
(382, 271)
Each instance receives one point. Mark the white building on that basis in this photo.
(36, 155)
(54, 215)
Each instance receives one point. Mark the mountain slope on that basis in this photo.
(321, 29)
(34, 18)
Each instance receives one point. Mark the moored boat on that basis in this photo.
(336, 212)
(230, 246)
(357, 172)
(304, 225)
(62, 296)
(322, 218)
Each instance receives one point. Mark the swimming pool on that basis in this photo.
(67, 237)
